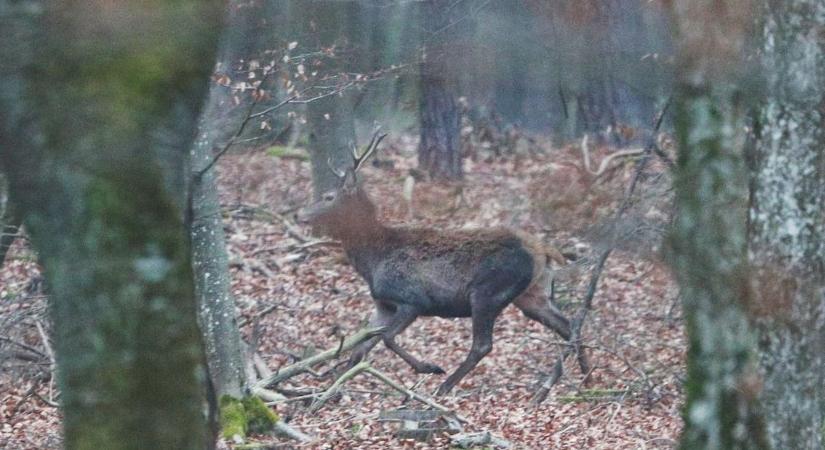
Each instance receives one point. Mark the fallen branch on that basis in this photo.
(409, 393)
(306, 365)
(286, 430)
(332, 390)
(484, 438)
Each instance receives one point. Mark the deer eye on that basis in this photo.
(329, 197)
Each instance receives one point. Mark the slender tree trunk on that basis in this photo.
(787, 224)
(708, 240)
(439, 150)
(213, 284)
(331, 139)
(331, 121)
(80, 135)
(210, 261)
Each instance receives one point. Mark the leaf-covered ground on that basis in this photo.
(295, 297)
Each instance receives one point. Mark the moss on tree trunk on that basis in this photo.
(101, 91)
(708, 240)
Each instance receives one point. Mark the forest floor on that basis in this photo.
(295, 298)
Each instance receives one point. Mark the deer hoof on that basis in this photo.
(430, 368)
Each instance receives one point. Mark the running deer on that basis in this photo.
(415, 272)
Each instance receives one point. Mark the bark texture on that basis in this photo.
(91, 95)
(439, 150)
(331, 139)
(331, 119)
(210, 261)
(708, 241)
(787, 224)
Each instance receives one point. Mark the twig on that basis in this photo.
(306, 364)
(409, 393)
(286, 430)
(259, 315)
(332, 390)
(50, 352)
(578, 321)
(24, 346)
(266, 395)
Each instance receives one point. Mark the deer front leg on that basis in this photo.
(381, 317)
(403, 317)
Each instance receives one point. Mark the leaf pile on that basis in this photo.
(296, 294)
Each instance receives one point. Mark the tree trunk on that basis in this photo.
(439, 150)
(331, 138)
(80, 135)
(213, 284)
(787, 224)
(10, 221)
(331, 122)
(709, 234)
(210, 261)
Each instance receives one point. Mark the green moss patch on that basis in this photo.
(242, 416)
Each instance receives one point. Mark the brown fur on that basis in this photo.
(449, 273)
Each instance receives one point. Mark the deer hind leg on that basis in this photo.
(535, 306)
(483, 320)
(402, 318)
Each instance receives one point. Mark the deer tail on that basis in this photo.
(553, 254)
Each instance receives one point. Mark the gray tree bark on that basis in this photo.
(331, 137)
(210, 263)
(331, 121)
(708, 242)
(439, 150)
(83, 121)
(787, 224)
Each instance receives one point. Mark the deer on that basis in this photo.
(420, 272)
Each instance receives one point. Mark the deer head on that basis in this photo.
(347, 205)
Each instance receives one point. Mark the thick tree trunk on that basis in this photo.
(787, 224)
(79, 136)
(439, 150)
(708, 240)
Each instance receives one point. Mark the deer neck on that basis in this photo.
(362, 235)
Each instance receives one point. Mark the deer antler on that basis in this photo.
(604, 164)
(357, 160)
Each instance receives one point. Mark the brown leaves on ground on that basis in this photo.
(292, 296)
